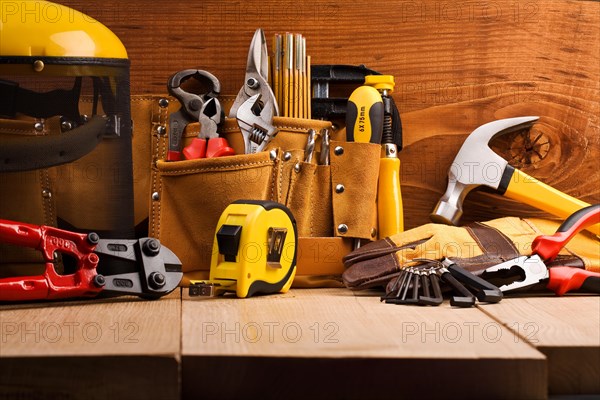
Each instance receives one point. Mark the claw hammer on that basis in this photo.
(477, 165)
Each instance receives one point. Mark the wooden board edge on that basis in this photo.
(360, 378)
(573, 370)
(91, 377)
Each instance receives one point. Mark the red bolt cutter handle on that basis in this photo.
(548, 246)
(50, 285)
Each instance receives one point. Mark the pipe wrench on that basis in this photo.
(545, 248)
(153, 270)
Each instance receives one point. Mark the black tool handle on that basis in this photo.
(466, 300)
(591, 285)
(486, 292)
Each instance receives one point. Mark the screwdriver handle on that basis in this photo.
(389, 196)
(364, 117)
(566, 279)
(548, 246)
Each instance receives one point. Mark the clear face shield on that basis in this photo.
(72, 116)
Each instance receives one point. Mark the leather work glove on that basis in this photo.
(474, 247)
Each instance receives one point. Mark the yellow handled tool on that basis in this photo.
(364, 117)
(389, 195)
(254, 251)
(476, 164)
(528, 190)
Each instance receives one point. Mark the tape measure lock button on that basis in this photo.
(228, 241)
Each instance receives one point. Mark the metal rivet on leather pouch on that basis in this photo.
(339, 189)
(297, 167)
(373, 232)
(161, 130)
(273, 155)
(66, 125)
(164, 103)
(155, 196)
(287, 156)
(38, 126)
(46, 194)
(339, 150)
(343, 229)
(38, 65)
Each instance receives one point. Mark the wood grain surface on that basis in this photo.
(83, 349)
(333, 335)
(566, 330)
(457, 65)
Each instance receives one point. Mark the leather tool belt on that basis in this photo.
(182, 200)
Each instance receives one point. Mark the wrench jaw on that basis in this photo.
(533, 268)
(256, 125)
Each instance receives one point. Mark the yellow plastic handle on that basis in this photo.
(389, 198)
(529, 190)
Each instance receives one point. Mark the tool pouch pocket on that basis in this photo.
(91, 192)
(333, 204)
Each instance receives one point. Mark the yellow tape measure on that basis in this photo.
(254, 251)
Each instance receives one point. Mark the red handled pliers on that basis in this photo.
(153, 270)
(545, 248)
(208, 144)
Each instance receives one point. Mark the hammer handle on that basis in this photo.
(529, 190)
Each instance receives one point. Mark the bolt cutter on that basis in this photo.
(155, 270)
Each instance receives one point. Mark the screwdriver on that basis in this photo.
(364, 119)
(389, 196)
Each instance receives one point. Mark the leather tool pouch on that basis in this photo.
(91, 192)
(65, 150)
(184, 199)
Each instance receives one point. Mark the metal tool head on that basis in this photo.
(309, 151)
(475, 164)
(256, 78)
(256, 129)
(157, 269)
(533, 268)
(210, 118)
(191, 102)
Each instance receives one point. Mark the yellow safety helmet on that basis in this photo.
(64, 81)
(45, 29)
(54, 61)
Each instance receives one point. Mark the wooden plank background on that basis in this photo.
(457, 65)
